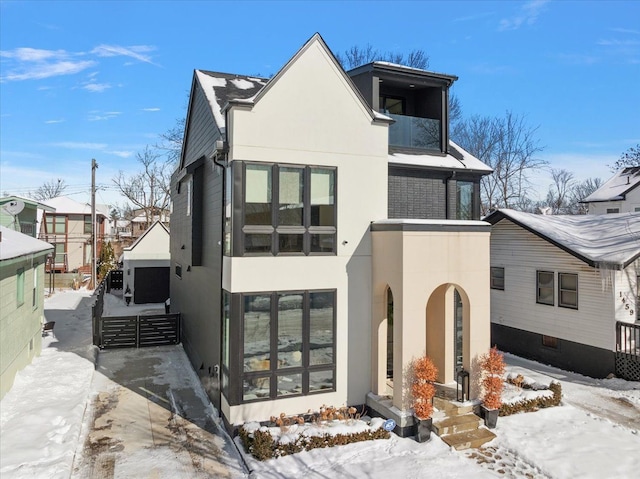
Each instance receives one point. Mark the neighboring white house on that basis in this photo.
(561, 284)
(620, 194)
(146, 266)
(324, 233)
(22, 260)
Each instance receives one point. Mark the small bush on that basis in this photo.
(530, 405)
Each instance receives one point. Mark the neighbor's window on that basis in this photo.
(613, 210)
(545, 288)
(288, 344)
(20, 287)
(497, 278)
(464, 200)
(288, 210)
(568, 290)
(34, 295)
(57, 224)
(87, 224)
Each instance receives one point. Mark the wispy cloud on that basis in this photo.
(103, 115)
(50, 122)
(96, 87)
(151, 109)
(137, 52)
(618, 43)
(78, 145)
(35, 64)
(527, 15)
(122, 154)
(626, 30)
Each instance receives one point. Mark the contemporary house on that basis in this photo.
(26, 217)
(22, 260)
(68, 228)
(564, 290)
(620, 194)
(146, 266)
(325, 232)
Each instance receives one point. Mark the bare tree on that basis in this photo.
(631, 157)
(558, 196)
(50, 189)
(357, 56)
(579, 192)
(509, 146)
(171, 142)
(148, 190)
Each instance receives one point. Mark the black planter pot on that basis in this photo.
(423, 429)
(490, 417)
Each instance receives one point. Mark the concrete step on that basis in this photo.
(456, 424)
(451, 408)
(469, 439)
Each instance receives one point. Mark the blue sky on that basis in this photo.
(102, 79)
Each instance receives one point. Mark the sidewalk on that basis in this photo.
(150, 417)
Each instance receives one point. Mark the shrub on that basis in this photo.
(422, 388)
(530, 405)
(493, 367)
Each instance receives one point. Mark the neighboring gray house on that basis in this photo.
(620, 194)
(309, 210)
(564, 290)
(22, 260)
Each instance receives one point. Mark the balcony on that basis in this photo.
(414, 132)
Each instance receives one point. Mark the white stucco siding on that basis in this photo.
(522, 254)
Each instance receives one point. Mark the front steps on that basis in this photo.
(458, 426)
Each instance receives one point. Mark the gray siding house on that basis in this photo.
(314, 243)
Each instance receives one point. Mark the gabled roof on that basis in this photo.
(456, 159)
(598, 240)
(617, 187)
(156, 224)
(15, 244)
(221, 88)
(65, 205)
(26, 201)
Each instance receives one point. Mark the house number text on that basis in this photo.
(625, 301)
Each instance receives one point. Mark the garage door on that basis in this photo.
(151, 285)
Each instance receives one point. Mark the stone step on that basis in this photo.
(451, 408)
(469, 439)
(456, 424)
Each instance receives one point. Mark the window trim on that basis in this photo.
(553, 277)
(560, 290)
(274, 229)
(492, 278)
(235, 392)
(20, 283)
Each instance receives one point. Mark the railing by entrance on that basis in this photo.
(628, 351)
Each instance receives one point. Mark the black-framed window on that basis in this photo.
(286, 347)
(395, 105)
(544, 287)
(464, 200)
(497, 277)
(287, 210)
(613, 210)
(568, 290)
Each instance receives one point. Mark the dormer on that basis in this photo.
(416, 99)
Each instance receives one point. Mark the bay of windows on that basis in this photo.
(288, 209)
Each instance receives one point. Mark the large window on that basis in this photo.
(568, 290)
(87, 224)
(545, 288)
(288, 210)
(288, 344)
(497, 278)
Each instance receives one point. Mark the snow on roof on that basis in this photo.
(14, 244)
(27, 201)
(66, 205)
(220, 88)
(405, 67)
(457, 159)
(595, 239)
(617, 187)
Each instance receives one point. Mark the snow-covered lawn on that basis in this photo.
(593, 434)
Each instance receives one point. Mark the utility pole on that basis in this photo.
(94, 234)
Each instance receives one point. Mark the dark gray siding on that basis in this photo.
(417, 194)
(197, 295)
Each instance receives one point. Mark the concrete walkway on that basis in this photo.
(150, 418)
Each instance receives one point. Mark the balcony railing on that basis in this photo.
(58, 263)
(413, 132)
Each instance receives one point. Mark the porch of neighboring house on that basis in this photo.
(628, 350)
(431, 296)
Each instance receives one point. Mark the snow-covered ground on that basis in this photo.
(594, 433)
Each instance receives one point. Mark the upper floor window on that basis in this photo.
(544, 293)
(392, 104)
(568, 290)
(56, 224)
(87, 224)
(464, 200)
(288, 209)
